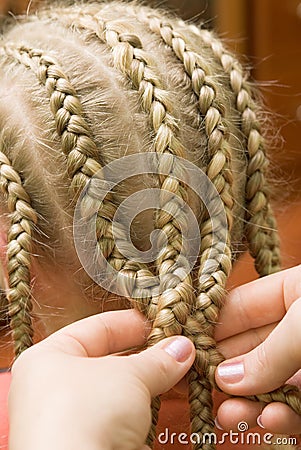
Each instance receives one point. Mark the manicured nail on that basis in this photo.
(178, 348)
(259, 421)
(217, 424)
(231, 372)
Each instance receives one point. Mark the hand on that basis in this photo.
(71, 392)
(260, 331)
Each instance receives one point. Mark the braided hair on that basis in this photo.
(102, 81)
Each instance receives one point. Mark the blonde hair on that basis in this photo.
(116, 79)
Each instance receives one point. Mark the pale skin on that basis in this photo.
(89, 394)
(71, 392)
(260, 328)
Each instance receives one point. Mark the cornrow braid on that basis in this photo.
(201, 414)
(268, 261)
(173, 305)
(81, 152)
(204, 115)
(77, 143)
(261, 224)
(131, 59)
(59, 85)
(261, 228)
(215, 260)
(215, 264)
(19, 244)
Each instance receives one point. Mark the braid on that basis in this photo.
(64, 104)
(81, 152)
(23, 219)
(261, 228)
(215, 261)
(265, 250)
(164, 291)
(77, 142)
(174, 304)
(215, 264)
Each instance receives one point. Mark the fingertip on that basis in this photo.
(234, 412)
(231, 372)
(179, 348)
(229, 376)
(163, 365)
(280, 418)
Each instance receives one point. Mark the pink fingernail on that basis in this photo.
(231, 372)
(217, 424)
(259, 421)
(178, 348)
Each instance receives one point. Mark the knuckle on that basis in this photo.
(293, 315)
(295, 308)
(241, 309)
(24, 361)
(291, 285)
(262, 361)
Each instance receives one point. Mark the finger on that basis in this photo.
(162, 366)
(181, 387)
(259, 303)
(276, 417)
(244, 342)
(296, 380)
(270, 364)
(101, 334)
(235, 411)
(280, 418)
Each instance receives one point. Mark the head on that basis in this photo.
(84, 86)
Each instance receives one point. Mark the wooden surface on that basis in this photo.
(231, 20)
(269, 32)
(276, 41)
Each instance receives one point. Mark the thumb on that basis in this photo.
(269, 365)
(162, 366)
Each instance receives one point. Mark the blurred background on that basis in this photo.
(267, 35)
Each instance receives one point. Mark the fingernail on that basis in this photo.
(231, 372)
(178, 348)
(259, 421)
(217, 424)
